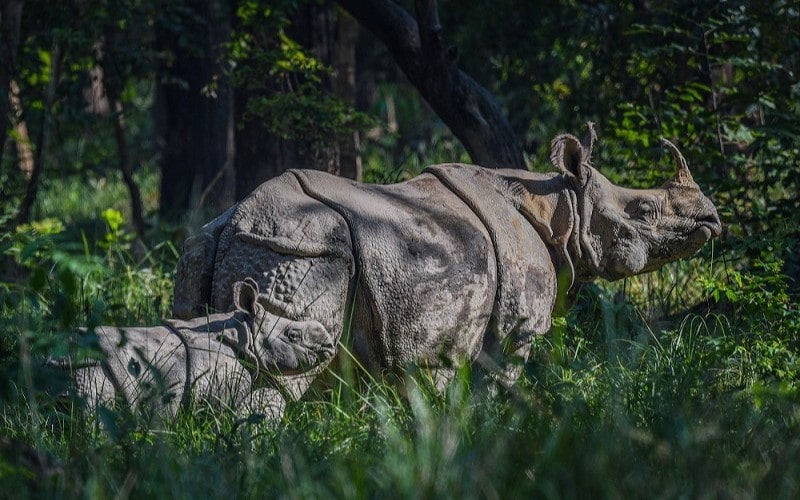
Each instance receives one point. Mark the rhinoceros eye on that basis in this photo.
(295, 335)
(646, 211)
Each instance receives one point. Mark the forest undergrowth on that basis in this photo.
(680, 383)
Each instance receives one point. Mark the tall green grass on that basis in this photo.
(658, 428)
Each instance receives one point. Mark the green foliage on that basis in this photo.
(283, 82)
(391, 159)
(77, 278)
(63, 46)
(406, 138)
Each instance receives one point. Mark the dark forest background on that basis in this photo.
(127, 124)
(216, 97)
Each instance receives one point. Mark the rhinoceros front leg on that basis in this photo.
(268, 402)
(505, 371)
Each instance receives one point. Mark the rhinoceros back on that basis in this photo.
(425, 269)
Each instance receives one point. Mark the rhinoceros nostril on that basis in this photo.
(710, 219)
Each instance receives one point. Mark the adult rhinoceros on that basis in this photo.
(458, 263)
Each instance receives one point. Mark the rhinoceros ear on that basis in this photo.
(567, 155)
(245, 295)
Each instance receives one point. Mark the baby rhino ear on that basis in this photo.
(245, 295)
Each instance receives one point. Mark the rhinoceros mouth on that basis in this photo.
(691, 243)
(706, 230)
(714, 228)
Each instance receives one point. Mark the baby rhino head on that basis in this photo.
(622, 231)
(281, 345)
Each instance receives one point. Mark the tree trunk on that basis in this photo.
(105, 93)
(463, 105)
(26, 206)
(260, 155)
(23, 139)
(344, 86)
(10, 19)
(196, 116)
(118, 118)
(331, 37)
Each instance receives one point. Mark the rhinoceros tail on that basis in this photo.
(194, 276)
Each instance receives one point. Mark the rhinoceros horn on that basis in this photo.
(682, 174)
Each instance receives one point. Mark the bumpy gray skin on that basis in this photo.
(222, 359)
(456, 265)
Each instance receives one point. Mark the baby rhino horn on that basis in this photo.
(682, 174)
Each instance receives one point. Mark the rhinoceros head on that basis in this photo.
(623, 232)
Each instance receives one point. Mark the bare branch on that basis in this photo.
(430, 32)
(464, 106)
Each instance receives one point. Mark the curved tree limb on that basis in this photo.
(465, 106)
(10, 20)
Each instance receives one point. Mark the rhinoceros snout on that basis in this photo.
(712, 223)
(318, 341)
(707, 218)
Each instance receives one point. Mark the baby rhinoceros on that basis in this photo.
(221, 359)
(456, 265)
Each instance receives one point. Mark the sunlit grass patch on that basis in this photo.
(81, 198)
